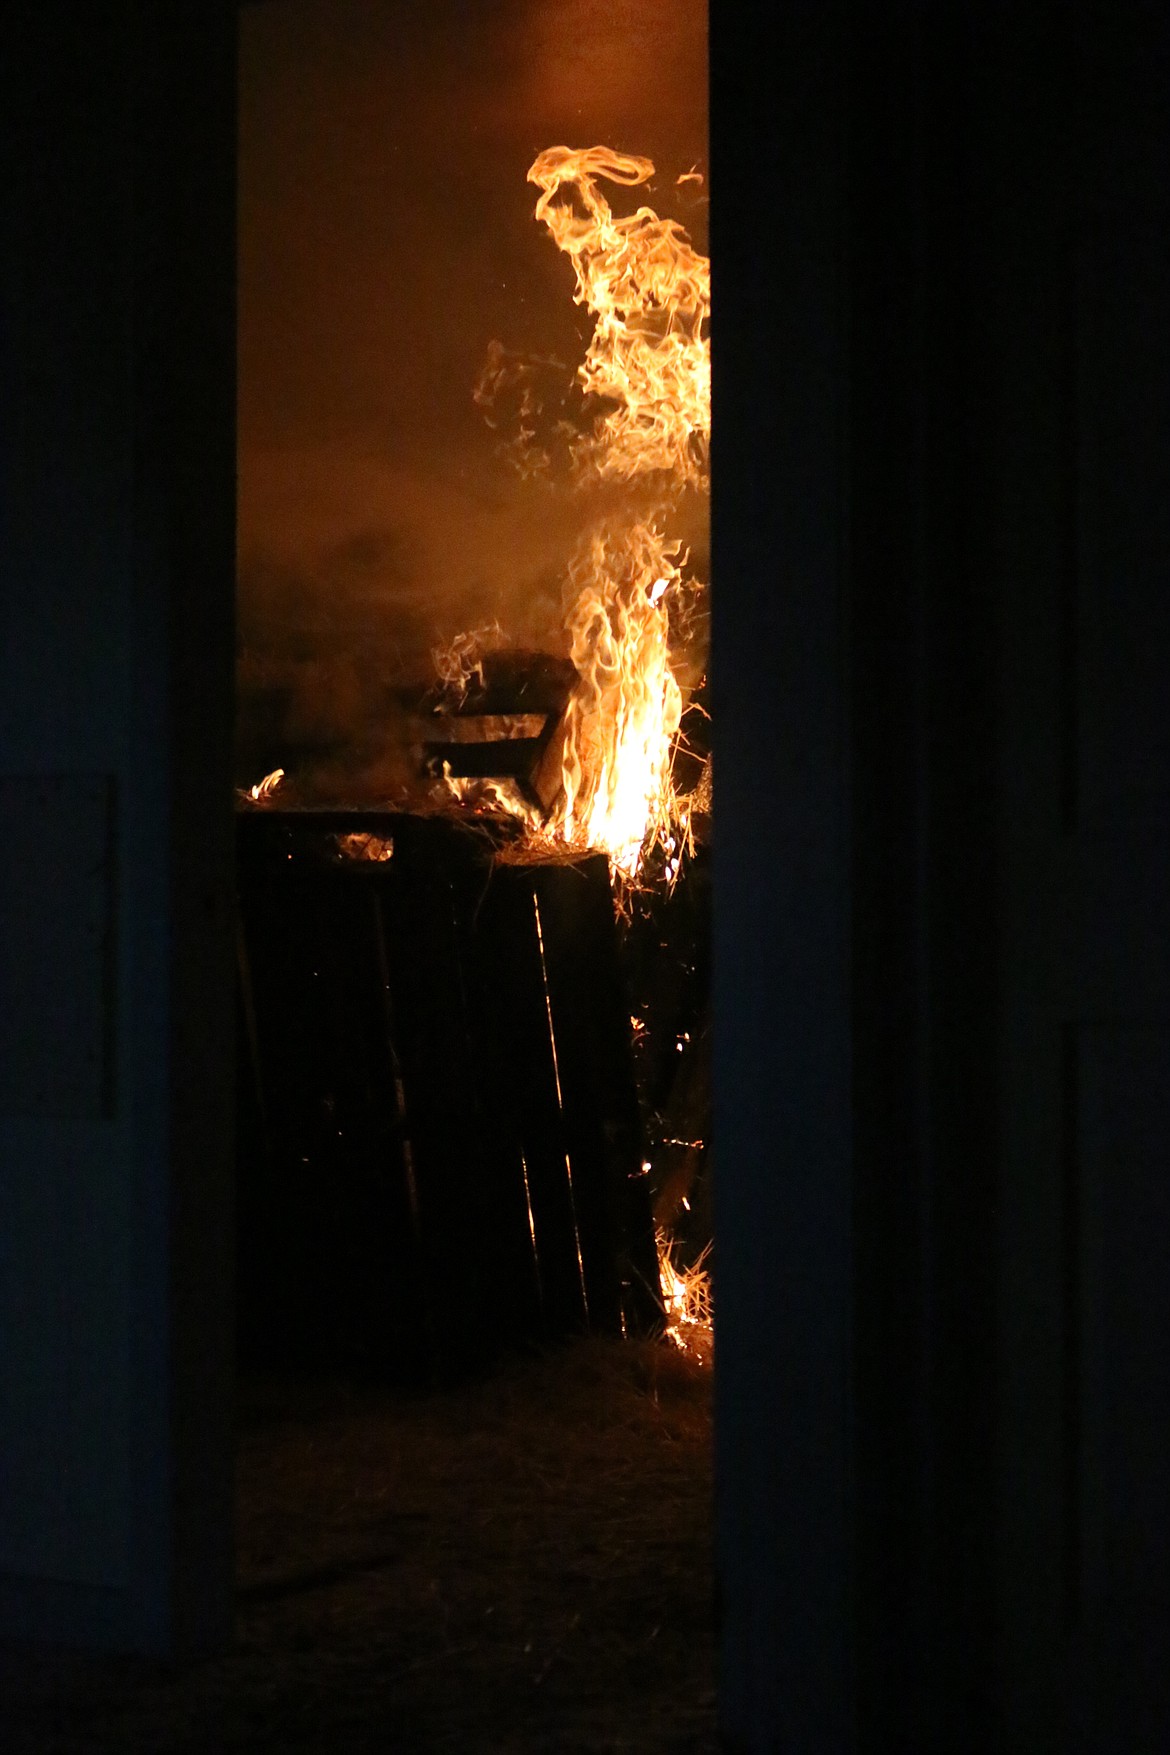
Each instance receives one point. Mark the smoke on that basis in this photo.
(340, 608)
(386, 240)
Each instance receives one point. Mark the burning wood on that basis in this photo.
(492, 718)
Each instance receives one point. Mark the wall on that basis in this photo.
(115, 878)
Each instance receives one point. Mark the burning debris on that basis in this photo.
(487, 728)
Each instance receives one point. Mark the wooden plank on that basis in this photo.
(502, 758)
(456, 1146)
(330, 1240)
(520, 1079)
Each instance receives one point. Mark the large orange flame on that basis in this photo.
(649, 292)
(624, 712)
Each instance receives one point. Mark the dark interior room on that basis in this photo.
(433, 440)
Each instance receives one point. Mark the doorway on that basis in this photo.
(474, 1086)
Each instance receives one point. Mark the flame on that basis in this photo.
(623, 714)
(263, 790)
(460, 663)
(649, 293)
(687, 1300)
(504, 798)
(619, 725)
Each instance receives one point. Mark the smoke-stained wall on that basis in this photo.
(386, 238)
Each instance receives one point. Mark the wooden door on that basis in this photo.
(1072, 150)
(942, 548)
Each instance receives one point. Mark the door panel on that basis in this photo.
(1122, 740)
(1076, 453)
(1123, 1122)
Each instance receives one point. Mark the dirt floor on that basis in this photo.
(523, 1564)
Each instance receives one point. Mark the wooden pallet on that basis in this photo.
(440, 1145)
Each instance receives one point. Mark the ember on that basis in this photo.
(360, 844)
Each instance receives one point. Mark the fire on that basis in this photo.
(621, 720)
(500, 798)
(460, 663)
(649, 292)
(264, 790)
(687, 1300)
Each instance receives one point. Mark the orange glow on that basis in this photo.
(364, 847)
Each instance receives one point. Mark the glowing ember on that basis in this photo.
(367, 848)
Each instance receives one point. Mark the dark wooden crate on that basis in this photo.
(440, 1147)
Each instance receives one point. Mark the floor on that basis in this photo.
(523, 1564)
